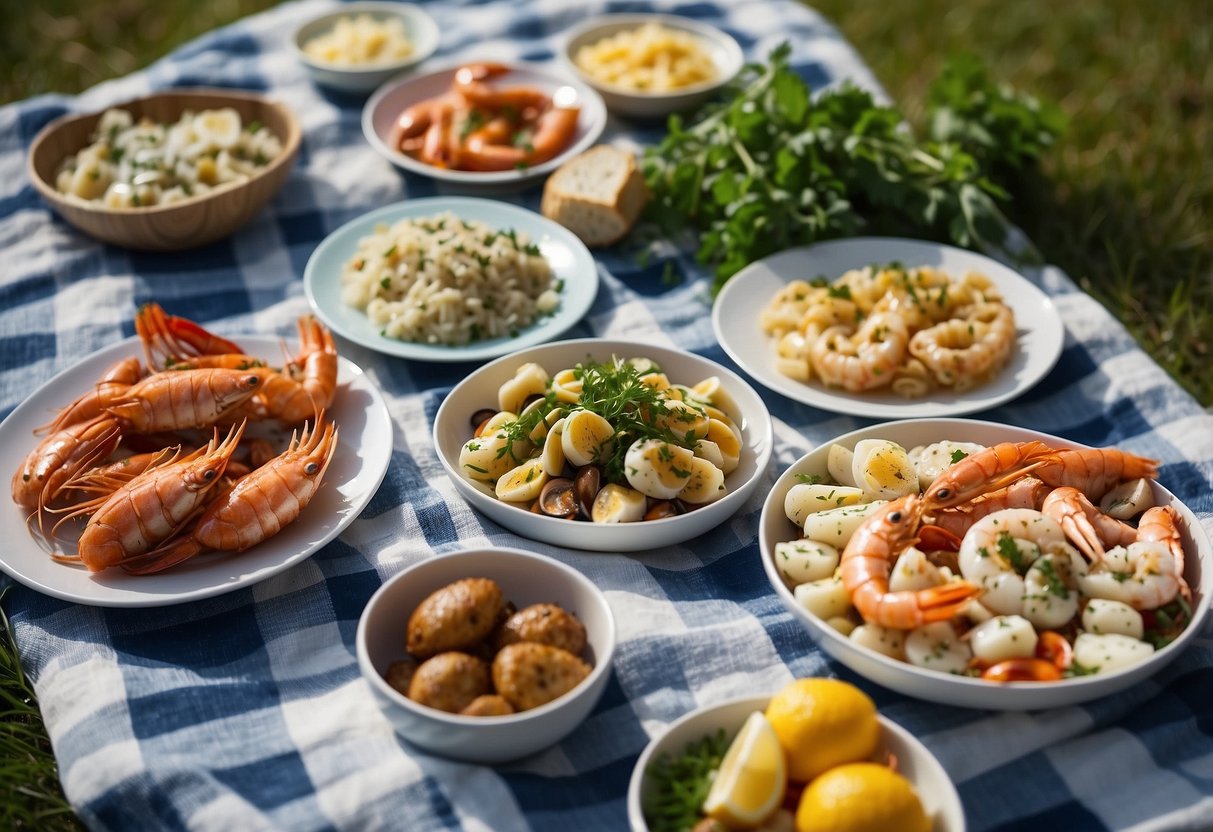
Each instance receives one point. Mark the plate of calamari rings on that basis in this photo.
(987, 566)
(180, 465)
(889, 328)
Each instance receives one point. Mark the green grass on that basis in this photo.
(1124, 204)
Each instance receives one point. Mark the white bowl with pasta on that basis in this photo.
(358, 47)
(775, 527)
(651, 65)
(749, 428)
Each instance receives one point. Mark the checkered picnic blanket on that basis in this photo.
(247, 710)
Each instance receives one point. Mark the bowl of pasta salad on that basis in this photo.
(651, 65)
(604, 445)
(361, 45)
(984, 565)
(170, 171)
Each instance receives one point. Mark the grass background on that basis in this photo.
(1124, 203)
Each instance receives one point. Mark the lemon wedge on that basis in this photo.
(750, 784)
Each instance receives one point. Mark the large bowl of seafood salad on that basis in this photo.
(992, 607)
(604, 445)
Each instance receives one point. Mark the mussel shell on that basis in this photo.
(586, 486)
(480, 417)
(558, 498)
(663, 508)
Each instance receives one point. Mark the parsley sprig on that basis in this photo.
(681, 784)
(771, 167)
(617, 393)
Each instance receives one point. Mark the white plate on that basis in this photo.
(479, 390)
(774, 526)
(389, 101)
(914, 761)
(570, 260)
(735, 317)
(361, 460)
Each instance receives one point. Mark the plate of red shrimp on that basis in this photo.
(879, 358)
(483, 122)
(988, 566)
(249, 455)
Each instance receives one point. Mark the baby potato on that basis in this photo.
(913, 571)
(490, 704)
(805, 498)
(529, 675)
(400, 674)
(836, 525)
(801, 561)
(1104, 653)
(449, 681)
(892, 643)
(454, 617)
(1103, 616)
(1128, 499)
(543, 624)
(937, 647)
(839, 461)
(826, 598)
(1003, 637)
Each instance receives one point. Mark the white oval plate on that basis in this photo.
(915, 762)
(357, 469)
(735, 318)
(389, 101)
(570, 259)
(968, 692)
(452, 428)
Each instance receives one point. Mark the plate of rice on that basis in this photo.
(450, 279)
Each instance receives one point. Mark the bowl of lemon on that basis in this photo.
(814, 756)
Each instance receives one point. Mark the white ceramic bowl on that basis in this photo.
(722, 48)
(914, 761)
(479, 390)
(419, 27)
(524, 578)
(389, 101)
(774, 526)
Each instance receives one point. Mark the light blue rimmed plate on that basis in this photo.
(570, 259)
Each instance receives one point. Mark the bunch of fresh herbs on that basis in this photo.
(772, 167)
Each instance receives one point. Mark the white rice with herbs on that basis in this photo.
(444, 280)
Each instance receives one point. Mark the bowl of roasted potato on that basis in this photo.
(486, 655)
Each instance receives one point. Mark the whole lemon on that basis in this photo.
(822, 723)
(861, 797)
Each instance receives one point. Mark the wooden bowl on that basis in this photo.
(181, 225)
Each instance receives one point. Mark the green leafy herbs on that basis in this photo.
(617, 392)
(680, 784)
(772, 167)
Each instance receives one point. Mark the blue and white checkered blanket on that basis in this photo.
(247, 711)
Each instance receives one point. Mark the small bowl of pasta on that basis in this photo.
(984, 565)
(360, 46)
(651, 65)
(170, 171)
(604, 445)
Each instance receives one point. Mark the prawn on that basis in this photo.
(306, 385)
(1092, 471)
(863, 360)
(1145, 575)
(1026, 492)
(867, 563)
(962, 351)
(170, 341)
(184, 399)
(154, 506)
(1084, 524)
(112, 384)
(46, 470)
(255, 508)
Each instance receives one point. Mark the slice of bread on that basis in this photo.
(597, 195)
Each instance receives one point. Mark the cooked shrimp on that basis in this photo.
(153, 507)
(863, 360)
(1145, 575)
(46, 470)
(1094, 471)
(1026, 492)
(1161, 524)
(967, 349)
(998, 551)
(169, 340)
(1084, 524)
(255, 508)
(867, 562)
(109, 387)
(304, 386)
(184, 399)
